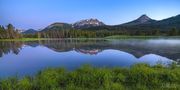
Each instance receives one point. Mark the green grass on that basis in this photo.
(137, 77)
(109, 37)
(138, 37)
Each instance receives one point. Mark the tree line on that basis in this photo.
(101, 33)
(9, 32)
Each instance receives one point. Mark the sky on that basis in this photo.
(37, 14)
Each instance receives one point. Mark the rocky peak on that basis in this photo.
(88, 23)
(144, 18)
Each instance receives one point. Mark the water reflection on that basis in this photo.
(7, 47)
(26, 58)
(139, 48)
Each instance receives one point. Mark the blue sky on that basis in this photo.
(37, 14)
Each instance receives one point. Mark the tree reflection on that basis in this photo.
(137, 48)
(10, 46)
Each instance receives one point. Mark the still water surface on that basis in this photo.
(27, 58)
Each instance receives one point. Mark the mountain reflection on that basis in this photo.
(90, 52)
(138, 48)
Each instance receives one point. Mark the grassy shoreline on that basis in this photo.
(139, 37)
(109, 37)
(137, 77)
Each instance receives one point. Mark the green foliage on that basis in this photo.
(138, 77)
(50, 79)
(173, 32)
(9, 84)
(9, 33)
(25, 84)
(96, 32)
(67, 34)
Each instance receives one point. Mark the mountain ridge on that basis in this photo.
(86, 23)
(143, 19)
(58, 26)
(142, 23)
(30, 31)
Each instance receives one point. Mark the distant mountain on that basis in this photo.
(144, 19)
(169, 23)
(87, 23)
(58, 26)
(142, 23)
(30, 31)
(145, 23)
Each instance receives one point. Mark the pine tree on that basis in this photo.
(173, 32)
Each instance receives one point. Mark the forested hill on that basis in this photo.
(144, 19)
(58, 26)
(143, 23)
(30, 31)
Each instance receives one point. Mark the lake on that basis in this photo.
(28, 57)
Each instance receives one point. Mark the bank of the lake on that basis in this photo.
(109, 37)
(138, 37)
(137, 77)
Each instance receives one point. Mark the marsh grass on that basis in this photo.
(137, 77)
(139, 37)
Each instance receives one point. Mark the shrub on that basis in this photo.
(140, 77)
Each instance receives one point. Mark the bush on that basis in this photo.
(140, 77)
